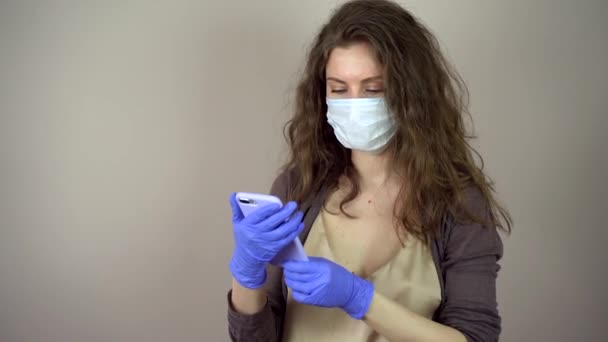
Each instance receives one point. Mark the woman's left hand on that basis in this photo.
(324, 283)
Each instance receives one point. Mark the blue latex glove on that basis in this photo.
(324, 283)
(259, 237)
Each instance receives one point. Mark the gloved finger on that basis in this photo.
(299, 277)
(261, 213)
(300, 297)
(302, 267)
(280, 217)
(292, 236)
(298, 286)
(314, 264)
(237, 214)
(319, 260)
(286, 230)
(313, 291)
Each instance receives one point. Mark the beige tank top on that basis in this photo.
(410, 279)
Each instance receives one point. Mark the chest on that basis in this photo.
(367, 240)
(361, 245)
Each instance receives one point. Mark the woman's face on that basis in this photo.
(354, 72)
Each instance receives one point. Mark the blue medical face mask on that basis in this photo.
(363, 124)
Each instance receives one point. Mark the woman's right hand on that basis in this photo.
(259, 237)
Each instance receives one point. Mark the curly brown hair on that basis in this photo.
(427, 97)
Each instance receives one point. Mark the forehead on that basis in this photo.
(354, 62)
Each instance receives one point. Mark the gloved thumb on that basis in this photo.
(237, 214)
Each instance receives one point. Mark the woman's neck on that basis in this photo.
(373, 169)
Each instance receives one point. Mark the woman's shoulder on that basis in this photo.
(280, 184)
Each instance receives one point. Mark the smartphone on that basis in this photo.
(249, 202)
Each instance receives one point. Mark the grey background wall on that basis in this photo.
(125, 125)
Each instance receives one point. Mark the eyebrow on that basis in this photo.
(369, 79)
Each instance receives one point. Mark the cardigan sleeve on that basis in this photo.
(470, 267)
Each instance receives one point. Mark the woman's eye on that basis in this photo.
(338, 91)
(374, 91)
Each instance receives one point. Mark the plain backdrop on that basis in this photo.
(125, 125)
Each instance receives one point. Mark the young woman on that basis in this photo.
(399, 222)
